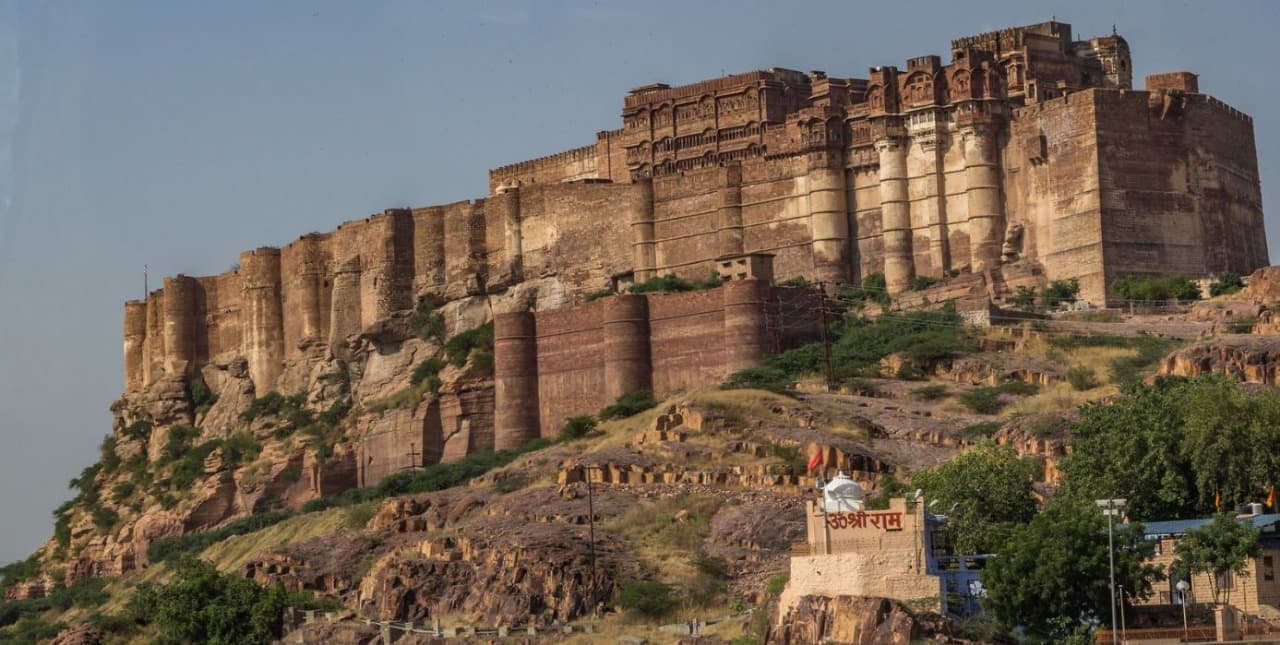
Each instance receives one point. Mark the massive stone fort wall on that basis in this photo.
(1029, 147)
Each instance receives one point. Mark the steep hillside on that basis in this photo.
(691, 510)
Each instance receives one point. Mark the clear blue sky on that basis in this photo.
(177, 134)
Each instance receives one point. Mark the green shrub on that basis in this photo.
(180, 438)
(1024, 298)
(671, 283)
(776, 584)
(173, 548)
(139, 430)
(652, 599)
(291, 474)
(107, 457)
(1049, 426)
(358, 516)
(1242, 325)
(922, 282)
(1060, 291)
(931, 392)
(335, 412)
(602, 293)
(1018, 388)
(1225, 283)
(122, 491)
(202, 398)
(983, 400)
(85, 593)
(577, 427)
(201, 605)
(629, 404)
(62, 529)
(428, 373)
(31, 629)
(712, 566)
(980, 430)
(872, 289)
(760, 377)
(798, 281)
(425, 322)
(460, 346)
(105, 518)
(240, 447)
(190, 466)
(1082, 378)
(267, 405)
(1156, 289)
(511, 483)
(19, 571)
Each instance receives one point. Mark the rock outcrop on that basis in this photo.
(1246, 358)
(844, 620)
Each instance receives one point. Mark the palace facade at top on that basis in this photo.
(1028, 144)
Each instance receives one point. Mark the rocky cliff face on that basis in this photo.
(1246, 358)
(187, 454)
(847, 620)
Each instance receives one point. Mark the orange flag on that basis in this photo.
(816, 460)
(1271, 497)
(1217, 499)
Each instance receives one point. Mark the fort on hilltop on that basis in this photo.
(1028, 157)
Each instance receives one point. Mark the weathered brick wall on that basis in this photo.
(570, 364)
(579, 359)
(578, 232)
(578, 163)
(1179, 186)
(1051, 188)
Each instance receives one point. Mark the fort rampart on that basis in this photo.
(1027, 147)
(552, 365)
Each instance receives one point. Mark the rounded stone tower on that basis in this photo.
(626, 345)
(263, 325)
(515, 380)
(746, 336)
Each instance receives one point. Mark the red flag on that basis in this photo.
(815, 460)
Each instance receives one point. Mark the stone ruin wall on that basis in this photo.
(552, 365)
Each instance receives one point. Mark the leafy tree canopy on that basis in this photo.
(1173, 446)
(1216, 549)
(1051, 576)
(985, 492)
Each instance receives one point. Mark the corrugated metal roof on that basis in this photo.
(1179, 527)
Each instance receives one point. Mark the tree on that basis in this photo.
(1060, 291)
(1132, 448)
(1231, 440)
(201, 605)
(1225, 283)
(1051, 577)
(1220, 548)
(984, 492)
(1024, 298)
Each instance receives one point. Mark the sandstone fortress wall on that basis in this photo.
(552, 365)
(1028, 154)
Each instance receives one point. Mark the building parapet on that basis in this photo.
(584, 153)
(644, 96)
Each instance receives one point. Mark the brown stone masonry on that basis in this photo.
(556, 364)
